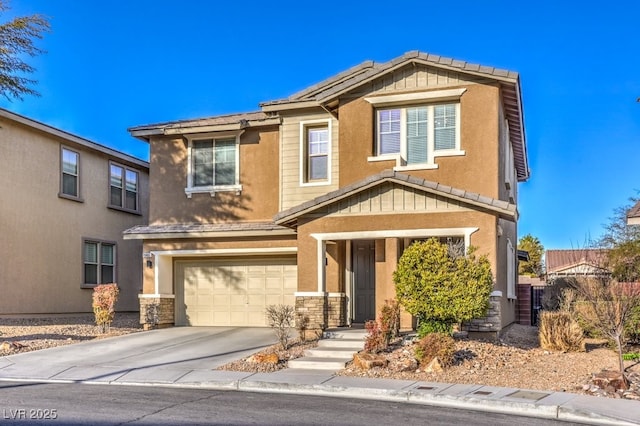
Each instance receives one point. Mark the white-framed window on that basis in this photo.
(511, 270)
(70, 173)
(123, 187)
(213, 164)
(418, 134)
(315, 152)
(99, 262)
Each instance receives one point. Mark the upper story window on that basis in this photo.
(415, 128)
(418, 134)
(213, 165)
(70, 174)
(123, 187)
(315, 148)
(99, 260)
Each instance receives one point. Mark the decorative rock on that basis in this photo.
(435, 366)
(609, 380)
(366, 361)
(271, 358)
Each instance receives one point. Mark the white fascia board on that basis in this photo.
(224, 234)
(395, 233)
(450, 94)
(227, 252)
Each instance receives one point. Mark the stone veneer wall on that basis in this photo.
(157, 312)
(322, 311)
(490, 323)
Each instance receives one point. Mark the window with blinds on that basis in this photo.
(70, 179)
(99, 262)
(418, 133)
(123, 187)
(214, 162)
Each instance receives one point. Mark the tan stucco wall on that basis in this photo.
(507, 306)
(204, 244)
(41, 269)
(476, 171)
(484, 239)
(259, 177)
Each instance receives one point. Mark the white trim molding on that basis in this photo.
(403, 98)
(304, 155)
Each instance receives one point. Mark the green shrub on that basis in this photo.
(426, 326)
(632, 326)
(434, 283)
(560, 332)
(436, 345)
(105, 297)
(280, 318)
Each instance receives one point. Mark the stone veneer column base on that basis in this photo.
(321, 311)
(489, 324)
(157, 312)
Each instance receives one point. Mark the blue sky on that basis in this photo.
(113, 65)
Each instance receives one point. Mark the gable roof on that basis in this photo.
(289, 217)
(209, 124)
(560, 260)
(327, 91)
(633, 216)
(71, 138)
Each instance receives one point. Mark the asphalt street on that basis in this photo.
(83, 404)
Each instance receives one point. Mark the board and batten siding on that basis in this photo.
(392, 198)
(293, 192)
(413, 77)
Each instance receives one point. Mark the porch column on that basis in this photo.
(322, 262)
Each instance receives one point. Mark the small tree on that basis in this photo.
(435, 284)
(16, 40)
(105, 297)
(535, 266)
(612, 305)
(281, 319)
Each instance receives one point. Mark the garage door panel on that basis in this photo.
(234, 292)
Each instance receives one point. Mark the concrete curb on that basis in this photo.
(553, 405)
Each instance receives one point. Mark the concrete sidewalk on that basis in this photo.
(89, 362)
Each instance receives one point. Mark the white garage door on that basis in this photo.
(232, 292)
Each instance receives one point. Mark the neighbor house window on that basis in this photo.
(70, 179)
(315, 148)
(419, 133)
(123, 187)
(99, 260)
(213, 165)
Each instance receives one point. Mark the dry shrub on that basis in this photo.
(105, 297)
(436, 345)
(280, 319)
(560, 332)
(376, 340)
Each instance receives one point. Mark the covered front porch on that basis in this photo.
(354, 274)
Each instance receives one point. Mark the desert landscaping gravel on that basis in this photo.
(516, 360)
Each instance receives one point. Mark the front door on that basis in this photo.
(363, 252)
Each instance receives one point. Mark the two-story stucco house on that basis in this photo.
(65, 202)
(312, 199)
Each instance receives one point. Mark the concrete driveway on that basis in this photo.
(157, 355)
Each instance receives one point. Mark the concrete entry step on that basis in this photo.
(334, 350)
(324, 352)
(341, 343)
(319, 363)
(345, 333)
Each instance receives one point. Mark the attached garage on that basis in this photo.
(232, 292)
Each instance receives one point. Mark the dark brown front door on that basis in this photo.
(363, 252)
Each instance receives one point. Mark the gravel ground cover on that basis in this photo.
(32, 334)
